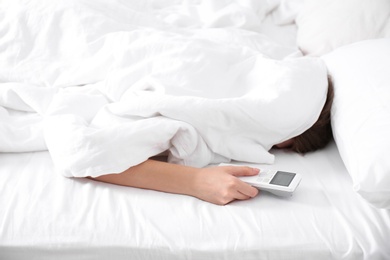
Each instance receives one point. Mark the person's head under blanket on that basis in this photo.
(259, 107)
(318, 135)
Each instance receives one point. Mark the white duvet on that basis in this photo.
(104, 85)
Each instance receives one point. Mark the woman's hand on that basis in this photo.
(220, 185)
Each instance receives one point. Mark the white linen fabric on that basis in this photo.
(105, 86)
(44, 215)
(88, 75)
(361, 115)
(324, 25)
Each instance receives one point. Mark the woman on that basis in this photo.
(218, 185)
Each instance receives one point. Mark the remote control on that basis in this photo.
(280, 183)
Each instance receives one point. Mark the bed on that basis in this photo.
(66, 67)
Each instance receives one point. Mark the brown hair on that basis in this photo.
(318, 135)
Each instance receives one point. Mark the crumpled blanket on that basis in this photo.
(104, 86)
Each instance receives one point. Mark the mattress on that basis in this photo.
(44, 215)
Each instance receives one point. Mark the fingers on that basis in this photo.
(238, 195)
(242, 170)
(240, 190)
(220, 185)
(234, 189)
(241, 196)
(246, 189)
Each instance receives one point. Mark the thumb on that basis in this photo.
(243, 171)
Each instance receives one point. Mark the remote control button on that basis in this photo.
(267, 180)
(260, 179)
(267, 175)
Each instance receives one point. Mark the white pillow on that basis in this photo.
(324, 25)
(361, 115)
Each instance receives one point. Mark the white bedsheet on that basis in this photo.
(104, 85)
(65, 65)
(44, 215)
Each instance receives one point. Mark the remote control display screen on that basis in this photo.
(282, 178)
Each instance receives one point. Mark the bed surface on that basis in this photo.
(59, 50)
(43, 214)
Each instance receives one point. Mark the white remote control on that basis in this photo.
(280, 183)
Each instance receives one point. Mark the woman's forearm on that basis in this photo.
(218, 185)
(156, 175)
